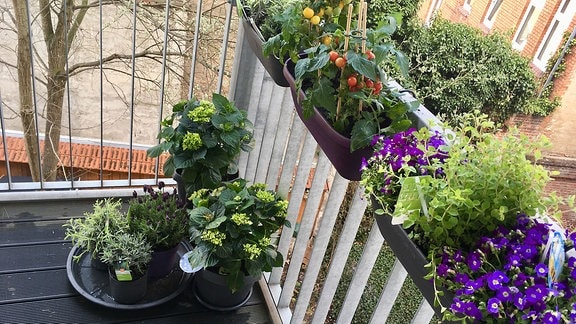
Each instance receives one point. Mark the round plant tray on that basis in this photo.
(92, 283)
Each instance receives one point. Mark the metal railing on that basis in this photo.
(110, 78)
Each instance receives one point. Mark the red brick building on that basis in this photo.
(538, 30)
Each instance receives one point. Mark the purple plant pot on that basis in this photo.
(335, 145)
(163, 262)
(271, 63)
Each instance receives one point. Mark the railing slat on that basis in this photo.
(424, 313)
(334, 201)
(309, 218)
(296, 196)
(363, 270)
(340, 257)
(389, 294)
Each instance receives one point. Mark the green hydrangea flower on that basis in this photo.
(191, 141)
(202, 113)
(265, 196)
(213, 236)
(241, 219)
(252, 250)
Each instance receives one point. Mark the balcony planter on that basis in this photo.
(335, 145)
(255, 40)
(411, 258)
(211, 290)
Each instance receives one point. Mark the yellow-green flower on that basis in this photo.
(200, 193)
(241, 219)
(283, 207)
(265, 196)
(264, 242)
(213, 236)
(191, 141)
(252, 250)
(202, 113)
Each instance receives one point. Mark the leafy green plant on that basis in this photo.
(204, 140)
(262, 13)
(488, 179)
(457, 69)
(232, 228)
(160, 216)
(305, 24)
(349, 86)
(90, 233)
(130, 249)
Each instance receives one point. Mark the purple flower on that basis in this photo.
(495, 280)
(541, 270)
(504, 294)
(472, 310)
(461, 278)
(535, 294)
(474, 262)
(363, 164)
(493, 305)
(551, 317)
(442, 270)
(519, 301)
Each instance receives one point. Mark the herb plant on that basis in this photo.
(127, 248)
(160, 216)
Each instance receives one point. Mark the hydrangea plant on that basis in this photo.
(232, 229)
(204, 139)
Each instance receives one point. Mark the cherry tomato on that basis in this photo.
(315, 20)
(352, 81)
(369, 83)
(370, 55)
(333, 55)
(340, 62)
(308, 12)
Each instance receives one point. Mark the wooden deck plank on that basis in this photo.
(34, 286)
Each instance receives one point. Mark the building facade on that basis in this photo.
(539, 30)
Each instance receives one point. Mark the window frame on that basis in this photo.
(493, 9)
(553, 36)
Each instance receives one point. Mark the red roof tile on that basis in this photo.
(87, 156)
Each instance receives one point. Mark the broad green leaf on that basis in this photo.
(362, 65)
(301, 68)
(362, 133)
(215, 223)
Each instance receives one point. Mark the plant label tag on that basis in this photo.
(122, 272)
(410, 200)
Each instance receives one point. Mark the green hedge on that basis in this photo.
(456, 69)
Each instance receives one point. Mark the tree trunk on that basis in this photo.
(25, 88)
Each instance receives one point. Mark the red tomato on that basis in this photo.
(340, 62)
(352, 81)
(369, 83)
(370, 55)
(333, 55)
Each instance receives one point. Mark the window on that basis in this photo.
(491, 13)
(434, 7)
(527, 24)
(467, 6)
(553, 35)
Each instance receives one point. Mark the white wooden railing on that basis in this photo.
(326, 210)
(283, 158)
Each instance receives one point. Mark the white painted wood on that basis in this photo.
(340, 257)
(424, 313)
(321, 240)
(389, 294)
(309, 217)
(363, 271)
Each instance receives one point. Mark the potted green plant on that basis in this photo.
(257, 17)
(232, 228)
(435, 204)
(163, 219)
(127, 256)
(89, 232)
(342, 95)
(204, 140)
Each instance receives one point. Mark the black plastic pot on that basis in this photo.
(163, 262)
(211, 290)
(411, 258)
(127, 292)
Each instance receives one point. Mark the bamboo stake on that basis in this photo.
(346, 42)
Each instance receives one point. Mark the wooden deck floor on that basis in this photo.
(34, 285)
